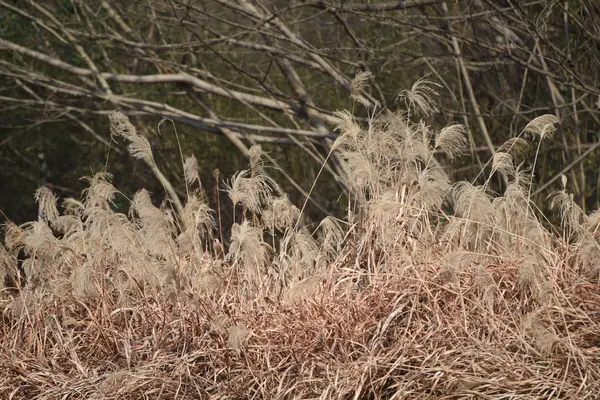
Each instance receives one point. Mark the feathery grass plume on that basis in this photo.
(197, 220)
(448, 275)
(139, 147)
(536, 237)
(543, 126)
(362, 174)
(191, 170)
(256, 161)
(96, 222)
(150, 215)
(120, 125)
(511, 208)
(414, 147)
(503, 163)
(281, 214)
(14, 236)
(8, 269)
(40, 241)
(359, 84)
(298, 253)
(571, 215)
(46, 200)
(460, 259)
(351, 132)
(220, 323)
(301, 290)
(73, 207)
(475, 212)
(197, 214)
(332, 236)
(542, 337)
(100, 192)
(451, 140)
(121, 234)
(522, 177)
(248, 250)
(517, 147)
(83, 282)
(156, 230)
(25, 303)
(251, 192)
(391, 220)
(472, 202)
(589, 253)
(421, 96)
(517, 227)
(433, 186)
(592, 223)
(67, 224)
(534, 276)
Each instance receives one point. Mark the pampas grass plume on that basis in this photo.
(452, 140)
(543, 126)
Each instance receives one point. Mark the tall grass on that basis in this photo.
(400, 300)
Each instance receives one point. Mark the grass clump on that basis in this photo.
(402, 299)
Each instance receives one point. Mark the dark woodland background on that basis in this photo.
(228, 74)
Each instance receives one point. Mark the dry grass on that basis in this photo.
(399, 301)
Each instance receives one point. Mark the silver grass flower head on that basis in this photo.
(593, 222)
(472, 202)
(543, 126)
(301, 246)
(14, 236)
(542, 337)
(332, 235)
(120, 125)
(46, 200)
(349, 130)
(197, 216)
(571, 214)
(281, 214)
(39, 240)
(248, 251)
(517, 147)
(433, 187)
(422, 96)
(191, 170)
(100, 192)
(66, 224)
(451, 140)
(359, 84)
(503, 163)
(139, 147)
(250, 191)
(256, 153)
(362, 172)
(154, 221)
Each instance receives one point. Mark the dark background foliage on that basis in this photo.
(231, 74)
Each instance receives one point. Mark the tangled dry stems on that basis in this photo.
(400, 301)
